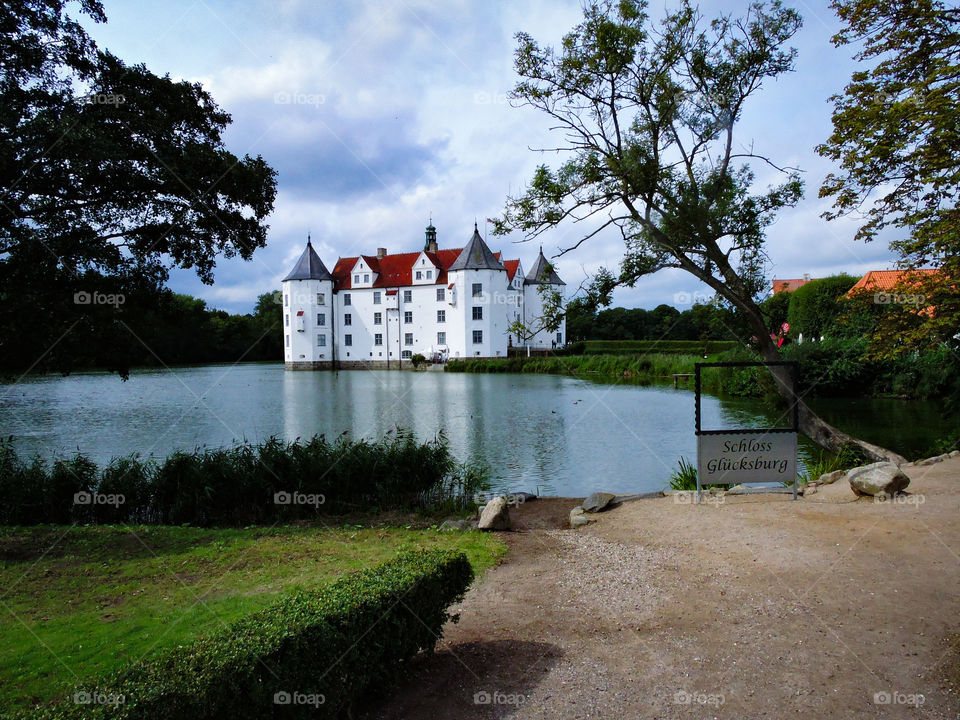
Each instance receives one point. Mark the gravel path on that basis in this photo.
(759, 607)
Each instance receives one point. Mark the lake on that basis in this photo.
(559, 435)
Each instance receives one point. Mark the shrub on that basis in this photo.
(418, 359)
(340, 643)
(274, 481)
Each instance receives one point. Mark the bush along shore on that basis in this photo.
(249, 484)
(831, 368)
(311, 652)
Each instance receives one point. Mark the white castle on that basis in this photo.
(379, 310)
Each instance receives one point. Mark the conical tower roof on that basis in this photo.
(309, 267)
(476, 256)
(542, 273)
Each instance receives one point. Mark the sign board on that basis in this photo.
(747, 458)
(756, 455)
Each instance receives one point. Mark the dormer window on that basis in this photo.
(419, 275)
(366, 278)
(429, 274)
(356, 278)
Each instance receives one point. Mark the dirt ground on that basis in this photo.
(759, 607)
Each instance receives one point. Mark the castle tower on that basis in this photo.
(542, 273)
(308, 314)
(479, 285)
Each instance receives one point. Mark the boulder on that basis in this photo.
(578, 518)
(495, 515)
(880, 478)
(808, 490)
(598, 501)
(831, 477)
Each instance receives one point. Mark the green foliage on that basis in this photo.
(815, 307)
(341, 643)
(418, 359)
(895, 142)
(701, 322)
(248, 484)
(111, 174)
(849, 456)
(684, 477)
(682, 347)
(631, 97)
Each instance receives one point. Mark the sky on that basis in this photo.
(379, 115)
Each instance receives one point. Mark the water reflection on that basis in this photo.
(565, 435)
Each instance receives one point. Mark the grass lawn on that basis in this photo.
(77, 603)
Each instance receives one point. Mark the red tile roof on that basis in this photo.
(511, 266)
(397, 269)
(877, 280)
(789, 285)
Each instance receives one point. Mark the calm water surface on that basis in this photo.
(565, 436)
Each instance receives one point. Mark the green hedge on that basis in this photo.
(353, 638)
(695, 347)
(242, 485)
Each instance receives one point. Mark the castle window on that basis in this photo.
(441, 316)
(346, 298)
(348, 340)
(559, 338)
(321, 300)
(378, 339)
(348, 319)
(407, 317)
(478, 313)
(478, 289)
(288, 340)
(286, 320)
(366, 277)
(406, 354)
(419, 275)
(378, 318)
(356, 278)
(376, 298)
(441, 295)
(286, 300)
(321, 340)
(441, 338)
(477, 337)
(408, 296)
(408, 338)
(429, 274)
(321, 319)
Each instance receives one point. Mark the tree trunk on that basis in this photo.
(812, 425)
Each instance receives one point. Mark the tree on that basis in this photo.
(581, 319)
(648, 113)
(550, 318)
(896, 138)
(816, 306)
(111, 175)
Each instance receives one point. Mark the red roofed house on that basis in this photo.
(789, 285)
(888, 281)
(376, 310)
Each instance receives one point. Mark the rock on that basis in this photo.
(955, 453)
(578, 518)
(834, 493)
(495, 515)
(522, 497)
(931, 460)
(598, 501)
(831, 477)
(809, 490)
(881, 478)
(738, 488)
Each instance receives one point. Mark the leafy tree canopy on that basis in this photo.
(897, 142)
(111, 175)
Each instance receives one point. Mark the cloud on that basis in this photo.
(378, 116)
